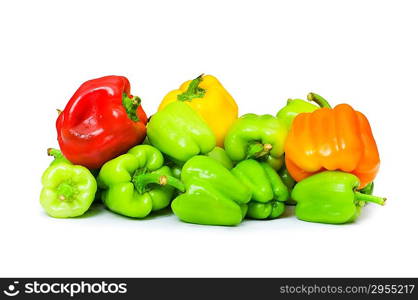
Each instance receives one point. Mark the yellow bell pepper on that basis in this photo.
(210, 100)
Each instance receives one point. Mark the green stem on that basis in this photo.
(142, 180)
(193, 91)
(318, 100)
(65, 191)
(54, 152)
(369, 198)
(258, 150)
(131, 105)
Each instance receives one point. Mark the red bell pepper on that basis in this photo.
(101, 121)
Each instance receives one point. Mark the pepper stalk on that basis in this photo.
(258, 150)
(318, 100)
(193, 91)
(141, 181)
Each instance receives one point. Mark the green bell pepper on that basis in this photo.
(297, 106)
(288, 181)
(214, 196)
(179, 132)
(287, 178)
(68, 190)
(368, 189)
(136, 183)
(220, 155)
(268, 190)
(330, 197)
(260, 137)
(217, 153)
(175, 169)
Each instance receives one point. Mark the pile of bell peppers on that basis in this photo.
(196, 156)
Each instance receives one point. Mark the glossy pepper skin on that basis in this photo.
(260, 137)
(332, 139)
(267, 188)
(206, 95)
(179, 132)
(214, 196)
(220, 155)
(68, 190)
(101, 121)
(294, 107)
(288, 181)
(268, 191)
(286, 178)
(330, 197)
(136, 183)
(217, 153)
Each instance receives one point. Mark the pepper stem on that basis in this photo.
(193, 91)
(142, 180)
(318, 100)
(54, 152)
(131, 105)
(65, 191)
(369, 198)
(258, 150)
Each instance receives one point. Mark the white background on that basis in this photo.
(360, 52)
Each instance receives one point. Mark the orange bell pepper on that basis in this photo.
(332, 139)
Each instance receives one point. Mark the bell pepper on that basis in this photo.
(179, 132)
(296, 106)
(175, 169)
(101, 121)
(137, 183)
(220, 155)
(206, 95)
(330, 197)
(68, 190)
(268, 191)
(217, 153)
(214, 196)
(288, 181)
(261, 137)
(332, 139)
